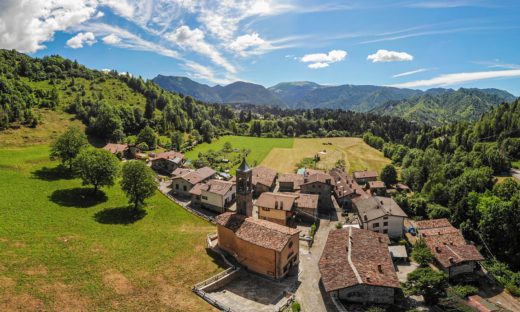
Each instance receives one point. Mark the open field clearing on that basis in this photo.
(356, 153)
(260, 147)
(61, 250)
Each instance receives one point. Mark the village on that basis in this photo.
(328, 241)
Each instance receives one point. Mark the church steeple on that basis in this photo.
(244, 189)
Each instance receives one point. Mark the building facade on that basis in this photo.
(215, 195)
(382, 215)
(320, 184)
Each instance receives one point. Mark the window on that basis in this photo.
(385, 223)
(375, 225)
(204, 197)
(290, 255)
(184, 188)
(385, 218)
(290, 244)
(177, 186)
(385, 231)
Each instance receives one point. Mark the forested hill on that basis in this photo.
(110, 104)
(449, 106)
(116, 107)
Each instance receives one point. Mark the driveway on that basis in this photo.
(310, 295)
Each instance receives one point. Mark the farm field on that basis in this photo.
(62, 252)
(356, 153)
(260, 147)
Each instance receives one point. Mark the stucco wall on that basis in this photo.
(256, 258)
(275, 215)
(324, 190)
(182, 183)
(394, 227)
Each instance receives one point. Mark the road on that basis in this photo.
(309, 295)
(515, 173)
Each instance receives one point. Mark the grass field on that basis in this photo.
(60, 252)
(356, 153)
(260, 147)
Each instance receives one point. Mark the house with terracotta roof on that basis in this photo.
(167, 162)
(451, 251)
(264, 180)
(346, 189)
(258, 245)
(381, 214)
(186, 180)
(357, 267)
(376, 188)
(122, 150)
(290, 182)
(362, 177)
(215, 195)
(321, 184)
(282, 208)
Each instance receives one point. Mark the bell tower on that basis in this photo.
(245, 189)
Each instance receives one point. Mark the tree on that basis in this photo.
(228, 148)
(97, 167)
(177, 140)
(148, 136)
(428, 283)
(389, 175)
(138, 182)
(207, 131)
(68, 145)
(421, 253)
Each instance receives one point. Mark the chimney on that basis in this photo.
(451, 260)
(380, 268)
(365, 217)
(437, 249)
(380, 239)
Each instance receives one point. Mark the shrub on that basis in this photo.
(421, 253)
(296, 307)
(464, 291)
(312, 230)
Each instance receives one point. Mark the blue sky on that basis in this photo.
(416, 44)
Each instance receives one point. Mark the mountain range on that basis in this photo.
(433, 106)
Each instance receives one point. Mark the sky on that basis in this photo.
(402, 43)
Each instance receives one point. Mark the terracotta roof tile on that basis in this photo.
(346, 185)
(263, 176)
(282, 201)
(296, 179)
(115, 148)
(365, 174)
(197, 176)
(376, 184)
(307, 201)
(430, 224)
(319, 177)
(169, 155)
(370, 261)
(259, 232)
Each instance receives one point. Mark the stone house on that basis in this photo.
(381, 214)
(167, 162)
(215, 195)
(356, 267)
(290, 182)
(277, 207)
(451, 251)
(321, 184)
(258, 245)
(122, 150)
(376, 188)
(346, 189)
(307, 205)
(187, 179)
(264, 180)
(365, 176)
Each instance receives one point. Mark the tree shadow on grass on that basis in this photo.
(59, 172)
(78, 197)
(119, 215)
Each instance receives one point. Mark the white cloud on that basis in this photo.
(389, 56)
(459, 78)
(250, 44)
(77, 41)
(111, 39)
(26, 25)
(412, 72)
(193, 39)
(321, 60)
(199, 71)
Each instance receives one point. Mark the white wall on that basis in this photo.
(395, 226)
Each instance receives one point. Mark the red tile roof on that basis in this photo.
(319, 177)
(215, 186)
(346, 185)
(197, 176)
(355, 256)
(446, 242)
(115, 148)
(376, 184)
(307, 201)
(296, 179)
(169, 155)
(258, 232)
(365, 174)
(264, 176)
(375, 207)
(281, 201)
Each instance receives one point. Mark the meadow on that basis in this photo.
(356, 154)
(62, 250)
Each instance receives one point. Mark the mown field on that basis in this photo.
(356, 153)
(63, 251)
(260, 147)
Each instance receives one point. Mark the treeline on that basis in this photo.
(452, 172)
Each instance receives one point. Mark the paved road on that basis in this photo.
(516, 174)
(309, 294)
